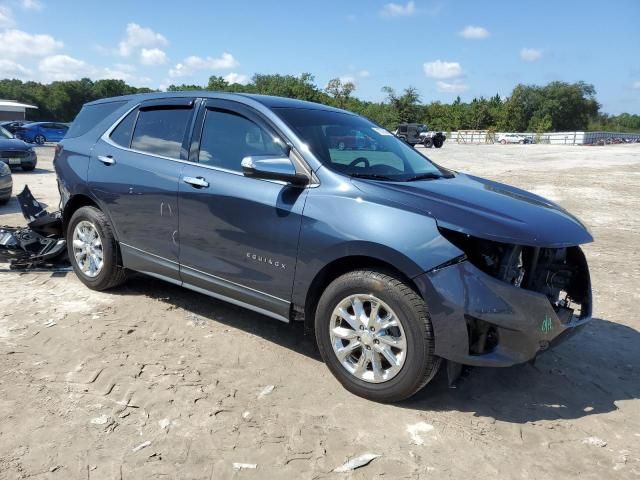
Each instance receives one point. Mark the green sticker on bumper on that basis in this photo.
(547, 325)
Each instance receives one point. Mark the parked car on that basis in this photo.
(396, 262)
(415, 133)
(6, 183)
(41, 132)
(513, 138)
(14, 125)
(16, 153)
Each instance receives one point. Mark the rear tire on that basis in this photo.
(395, 299)
(40, 140)
(4, 201)
(111, 273)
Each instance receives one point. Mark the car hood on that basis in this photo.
(13, 144)
(486, 209)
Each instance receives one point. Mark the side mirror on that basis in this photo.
(271, 168)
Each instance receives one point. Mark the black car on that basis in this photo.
(415, 133)
(15, 152)
(13, 125)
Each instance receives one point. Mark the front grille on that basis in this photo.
(14, 154)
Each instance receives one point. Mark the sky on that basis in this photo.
(444, 48)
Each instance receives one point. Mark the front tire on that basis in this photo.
(93, 250)
(374, 333)
(428, 142)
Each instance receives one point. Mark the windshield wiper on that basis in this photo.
(372, 176)
(425, 176)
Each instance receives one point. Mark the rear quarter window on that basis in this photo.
(90, 116)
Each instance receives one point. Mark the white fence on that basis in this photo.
(555, 138)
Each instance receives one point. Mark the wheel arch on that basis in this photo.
(73, 204)
(340, 266)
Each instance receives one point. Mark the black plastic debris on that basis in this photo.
(39, 245)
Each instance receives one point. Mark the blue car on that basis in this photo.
(41, 132)
(396, 263)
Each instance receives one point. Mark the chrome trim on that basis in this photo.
(196, 181)
(106, 137)
(148, 253)
(236, 284)
(207, 274)
(236, 302)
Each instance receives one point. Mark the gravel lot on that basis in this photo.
(154, 381)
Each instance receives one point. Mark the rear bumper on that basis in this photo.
(525, 321)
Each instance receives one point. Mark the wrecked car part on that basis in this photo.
(40, 244)
(531, 297)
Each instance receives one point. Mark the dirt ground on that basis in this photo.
(154, 381)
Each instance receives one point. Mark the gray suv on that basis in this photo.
(395, 262)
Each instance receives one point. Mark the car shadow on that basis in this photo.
(586, 375)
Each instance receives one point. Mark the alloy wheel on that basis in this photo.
(368, 338)
(87, 249)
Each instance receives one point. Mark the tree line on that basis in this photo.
(557, 106)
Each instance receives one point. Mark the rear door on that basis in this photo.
(134, 172)
(238, 235)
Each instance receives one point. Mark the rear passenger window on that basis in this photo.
(122, 133)
(228, 137)
(161, 131)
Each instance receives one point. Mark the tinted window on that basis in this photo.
(227, 138)
(161, 131)
(90, 116)
(354, 146)
(122, 133)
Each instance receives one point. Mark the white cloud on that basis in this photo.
(34, 5)
(11, 69)
(530, 54)
(474, 33)
(364, 73)
(233, 77)
(347, 79)
(455, 86)
(6, 17)
(399, 10)
(16, 44)
(443, 70)
(138, 37)
(63, 67)
(152, 56)
(636, 85)
(193, 63)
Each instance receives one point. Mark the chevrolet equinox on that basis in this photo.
(397, 263)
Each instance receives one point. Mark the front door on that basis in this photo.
(238, 235)
(134, 173)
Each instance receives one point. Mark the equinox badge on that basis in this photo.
(267, 260)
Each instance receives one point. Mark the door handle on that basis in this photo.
(107, 160)
(197, 182)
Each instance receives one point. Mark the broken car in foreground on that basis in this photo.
(394, 261)
(40, 244)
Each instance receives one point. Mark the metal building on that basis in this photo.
(12, 110)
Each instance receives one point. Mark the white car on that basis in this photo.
(512, 138)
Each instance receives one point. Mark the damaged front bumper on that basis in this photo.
(479, 320)
(40, 244)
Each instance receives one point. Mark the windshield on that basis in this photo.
(5, 133)
(354, 146)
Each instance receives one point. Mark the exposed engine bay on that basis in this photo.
(40, 244)
(561, 274)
